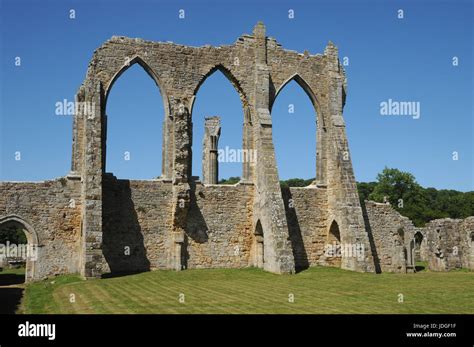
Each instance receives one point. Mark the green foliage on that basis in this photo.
(415, 202)
(12, 233)
(296, 182)
(230, 180)
(365, 189)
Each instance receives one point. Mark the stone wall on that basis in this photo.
(306, 213)
(50, 214)
(450, 244)
(447, 244)
(390, 235)
(137, 220)
(219, 231)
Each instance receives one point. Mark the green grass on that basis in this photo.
(316, 290)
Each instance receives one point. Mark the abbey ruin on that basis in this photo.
(92, 223)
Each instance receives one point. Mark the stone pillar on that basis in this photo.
(167, 147)
(78, 133)
(321, 152)
(247, 145)
(210, 165)
(181, 189)
(343, 198)
(268, 203)
(93, 263)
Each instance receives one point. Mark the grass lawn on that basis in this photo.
(316, 290)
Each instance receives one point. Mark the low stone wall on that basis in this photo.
(219, 230)
(137, 223)
(220, 227)
(51, 213)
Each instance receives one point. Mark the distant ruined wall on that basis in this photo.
(447, 243)
(390, 234)
(450, 244)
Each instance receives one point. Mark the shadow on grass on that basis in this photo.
(121, 274)
(11, 279)
(10, 298)
(419, 268)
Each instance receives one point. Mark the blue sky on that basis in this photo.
(406, 59)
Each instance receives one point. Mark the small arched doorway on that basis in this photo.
(18, 249)
(259, 255)
(333, 246)
(418, 247)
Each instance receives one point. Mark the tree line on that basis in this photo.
(405, 194)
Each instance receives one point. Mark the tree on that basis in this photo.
(415, 202)
(13, 234)
(365, 189)
(230, 180)
(296, 182)
(402, 191)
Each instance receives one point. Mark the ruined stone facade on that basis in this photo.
(92, 223)
(450, 244)
(396, 244)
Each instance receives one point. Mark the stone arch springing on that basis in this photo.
(166, 125)
(305, 86)
(321, 130)
(229, 75)
(137, 59)
(161, 120)
(32, 240)
(247, 143)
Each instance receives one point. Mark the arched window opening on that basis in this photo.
(133, 125)
(217, 116)
(295, 133)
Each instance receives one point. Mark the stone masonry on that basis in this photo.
(92, 223)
